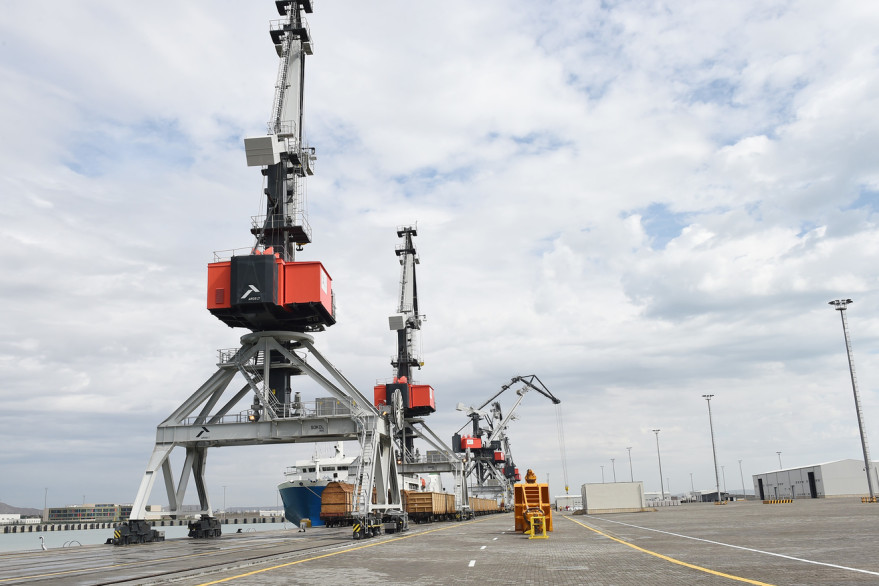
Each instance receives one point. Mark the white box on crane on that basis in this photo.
(262, 150)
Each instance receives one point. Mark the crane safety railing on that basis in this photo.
(290, 25)
(320, 407)
(285, 129)
(295, 218)
(224, 255)
(429, 457)
(229, 356)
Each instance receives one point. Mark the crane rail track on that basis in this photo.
(102, 565)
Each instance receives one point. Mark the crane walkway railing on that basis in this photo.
(365, 478)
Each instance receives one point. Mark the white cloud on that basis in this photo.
(530, 143)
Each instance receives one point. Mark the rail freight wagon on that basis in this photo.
(337, 504)
(426, 507)
(483, 506)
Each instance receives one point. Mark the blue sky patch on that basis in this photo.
(868, 199)
(427, 179)
(717, 91)
(661, 224)
(539, 142)
(110, 145)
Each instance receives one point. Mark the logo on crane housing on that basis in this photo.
(251, 289)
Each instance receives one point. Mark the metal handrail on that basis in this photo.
(304, 410)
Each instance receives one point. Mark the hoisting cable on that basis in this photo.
(560, 428)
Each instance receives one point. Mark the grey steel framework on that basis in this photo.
(840, 306)
(444, 461)
(493, 477)
(198, 424)
(407, 324)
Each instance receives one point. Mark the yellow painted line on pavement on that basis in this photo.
(340, 552)
(672, 560)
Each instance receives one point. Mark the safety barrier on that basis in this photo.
(778, 501)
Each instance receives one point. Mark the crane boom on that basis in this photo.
(488, 448)
(415, 400)
(407, 320)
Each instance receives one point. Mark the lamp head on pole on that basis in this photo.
(840, 304)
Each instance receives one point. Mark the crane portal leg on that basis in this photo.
(158, 459)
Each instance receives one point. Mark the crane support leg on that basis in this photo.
(199, 424)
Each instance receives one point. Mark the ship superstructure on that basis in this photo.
(305, 482)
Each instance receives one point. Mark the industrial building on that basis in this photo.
(568, 502)
(87, 513)
(830, 479)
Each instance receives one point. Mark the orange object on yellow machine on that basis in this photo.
(531, 500)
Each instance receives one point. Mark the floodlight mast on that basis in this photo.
(659, 459)
(840, 306)
(713, 448)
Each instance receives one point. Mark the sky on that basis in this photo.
(640, 202)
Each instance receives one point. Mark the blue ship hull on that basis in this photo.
(302, 501)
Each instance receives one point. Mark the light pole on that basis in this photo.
(743, 478)
(779, 460)
(602, 474)
(225, 515)
(692, 488)
(713, 448)
(723, 473)
(613, 467)
(631, 474)
(840, 306)
(659, 459)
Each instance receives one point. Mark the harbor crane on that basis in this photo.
(416, 399)
(488, 456)
(283, 302)
(408, 400)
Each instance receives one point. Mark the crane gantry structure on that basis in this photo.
(284, 303)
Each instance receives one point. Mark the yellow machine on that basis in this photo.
(532, 507)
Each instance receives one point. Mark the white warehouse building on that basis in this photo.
(831, 479)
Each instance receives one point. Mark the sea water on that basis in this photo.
(56, 539)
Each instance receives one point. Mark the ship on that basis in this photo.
(305, 483)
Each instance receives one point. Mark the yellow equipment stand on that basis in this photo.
(538, 525)
(533, 510)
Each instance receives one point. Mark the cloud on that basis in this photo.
(639, 203)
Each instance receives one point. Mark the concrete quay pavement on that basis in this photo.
(827, 541)
(807, 542)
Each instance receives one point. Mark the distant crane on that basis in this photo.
(487, 449)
